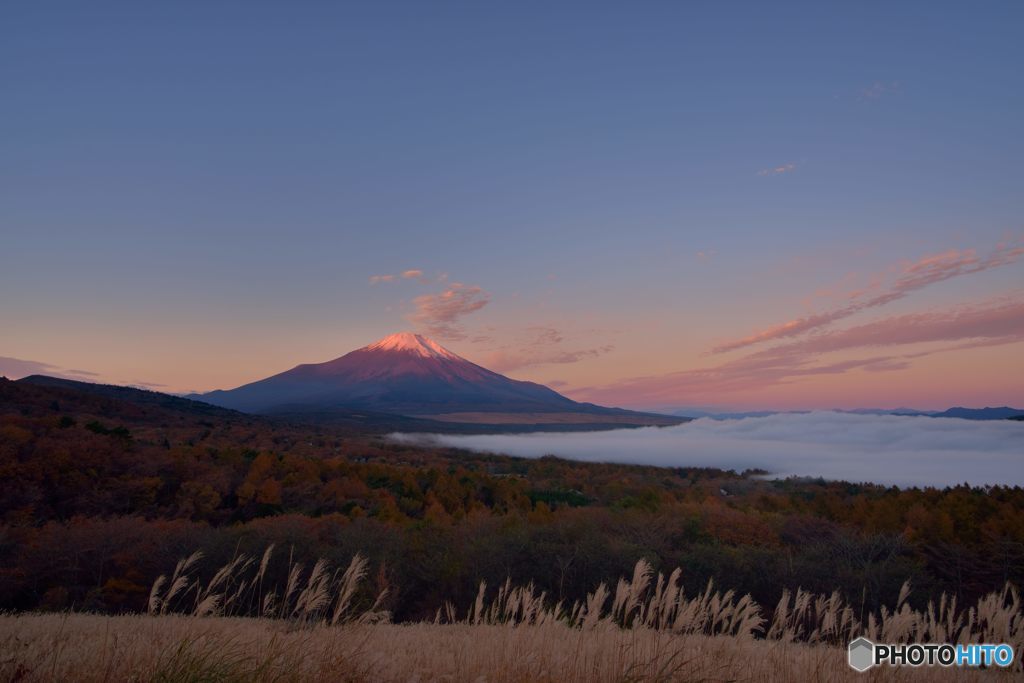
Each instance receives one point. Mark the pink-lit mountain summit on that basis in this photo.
(405, 374)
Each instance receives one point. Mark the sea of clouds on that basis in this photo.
(884, 449)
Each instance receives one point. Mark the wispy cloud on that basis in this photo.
(16, 368)
(990, 323)
(411, 274)
(777, 170)
(544, 346)
(911, 276)
(1000, 319)
(155, 386)
(745, 374)
(878, 89)
(439, 314)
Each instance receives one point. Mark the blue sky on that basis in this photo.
(197, 194)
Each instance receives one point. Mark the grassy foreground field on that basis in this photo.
(313, 629)
(83, 647)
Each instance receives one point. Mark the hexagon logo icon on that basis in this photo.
(862, 654)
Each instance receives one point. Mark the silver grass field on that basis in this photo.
(321, 626)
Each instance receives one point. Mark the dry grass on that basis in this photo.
(647, 629)
(237, 589)
(87, 648)
(660, 603)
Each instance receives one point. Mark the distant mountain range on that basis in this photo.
(408, 374)
(1000, 413)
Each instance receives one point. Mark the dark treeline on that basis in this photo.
(100, 494)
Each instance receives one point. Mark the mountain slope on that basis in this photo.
(1000, 413)
(406, 374)
(116, 399)
(135, 407)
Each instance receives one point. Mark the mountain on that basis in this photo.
(409, 374)
(962, 413)
(1000, 413)
(902, 412)
(714, 415)
(697, 412)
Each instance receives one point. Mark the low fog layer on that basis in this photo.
(885, 449)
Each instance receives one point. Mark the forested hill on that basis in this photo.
(38, 392)
(152, 407)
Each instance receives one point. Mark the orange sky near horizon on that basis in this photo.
(877, 340)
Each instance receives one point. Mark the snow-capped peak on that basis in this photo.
(409, 342)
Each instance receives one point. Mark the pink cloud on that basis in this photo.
(410, 274)
(439, 313)
(504, 361)
(777, 170)
(990, 323)
(543, 347)
(991, 320)
(912, 276)
(789, 328)
(747, 374)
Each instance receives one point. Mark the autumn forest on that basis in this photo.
(103, 488)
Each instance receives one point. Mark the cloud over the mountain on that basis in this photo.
(439, 314)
